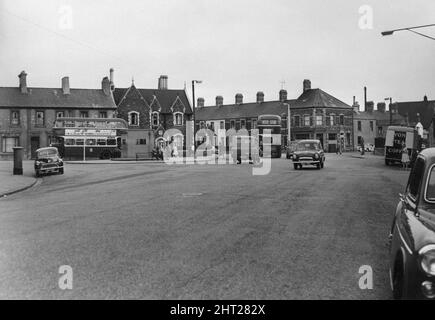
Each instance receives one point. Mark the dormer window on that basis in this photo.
(178, 119)
(155, 118)
(133, 118)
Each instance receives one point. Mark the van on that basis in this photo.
(394, 139)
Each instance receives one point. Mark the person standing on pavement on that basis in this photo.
(405, 156)
(362, 146)
(338, 150)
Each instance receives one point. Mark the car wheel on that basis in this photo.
(322, 164)
(295, 166)
(318, 166)
(61, 171)
(387, 162)
(37, 174)
(398, 281)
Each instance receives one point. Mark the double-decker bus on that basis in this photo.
(272, 123)
(85, 138)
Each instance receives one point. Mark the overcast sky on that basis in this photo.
(233, 46)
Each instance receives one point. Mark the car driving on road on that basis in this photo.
(48, 160)
(308, 152)
(412, 236)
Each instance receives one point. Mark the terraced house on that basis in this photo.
(315, 114)
(27, 114)
(149, 113)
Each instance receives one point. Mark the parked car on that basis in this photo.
(367, 147)
(412, 236)
(308, 152)
(48, 160)
(291, 149)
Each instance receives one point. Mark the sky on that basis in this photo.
(233, 46)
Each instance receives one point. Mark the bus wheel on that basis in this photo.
(105, 155)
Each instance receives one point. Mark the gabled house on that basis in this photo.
(149, 113)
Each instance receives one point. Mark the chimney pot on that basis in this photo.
(381, 107)
(112, 79)
(23, 82)
(370, 106)
(260, 97)
(307, 85)
(282, 95)
(163, 82)
(65, 85)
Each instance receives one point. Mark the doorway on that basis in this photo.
(34, 145)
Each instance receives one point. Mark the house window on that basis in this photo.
(60, 114)
(319, 120)
(297, 121)
(8, 143)
(359, 125)
(332, 136)
(222, 125)
(254, 123)
(233, 124)
(178, 119)
(237, 124)
(15, 118)
(141, 141)
(243, 124)
(331, 119)
(306, 121)
(102, 114)
(133, 118)
(155, 118)
(341, 119)
(84, 114)
(178, 142)
(39, 119)
(371, 126)
(380, 131)
(211, 126)
(359, 140)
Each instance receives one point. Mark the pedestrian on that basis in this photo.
(405, 156)
(339, 147)
(362, 146)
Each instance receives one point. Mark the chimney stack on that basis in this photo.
(365, 98)
(65, 85)
(370, 106)
(163, 83)
(200, 102)
(282, 95)
(112, 79)
(239, 98)
(260, 97)
(381, 107)
(219, 101)
(105, 86)
(307, 85)
(23, 82)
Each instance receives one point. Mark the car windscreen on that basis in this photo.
(430, 189)
(307, 146)
(47, 153)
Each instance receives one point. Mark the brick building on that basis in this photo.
(149, 113)
(315, 114)
(27, 114)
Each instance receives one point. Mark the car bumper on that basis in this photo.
(306, 161)
(49, 169)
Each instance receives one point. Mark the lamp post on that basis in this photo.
(390, 106)
(410, 29)
(289, 138)
(193, 107)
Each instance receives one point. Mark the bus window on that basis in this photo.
(91, 142)
(101, 142)
(69, 142)
(111, 142)
(79, 142)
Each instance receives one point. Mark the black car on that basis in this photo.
(48, 160)
(412, 236)
(308, 152)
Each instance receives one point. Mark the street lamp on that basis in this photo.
(193, 107)
(390, 106)
(410, 29)
(288, 124)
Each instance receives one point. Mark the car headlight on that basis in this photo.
(316, 156)
(427, 259)
(295, 157)
(38, 163)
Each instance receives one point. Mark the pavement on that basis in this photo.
(160, 231)
(10, 184)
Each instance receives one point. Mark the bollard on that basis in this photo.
(18, 160)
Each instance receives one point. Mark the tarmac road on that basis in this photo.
(153, 231)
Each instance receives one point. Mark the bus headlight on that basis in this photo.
(427, 259)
